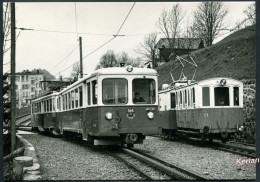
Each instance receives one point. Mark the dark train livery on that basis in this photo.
(208, 109)
(110, 106)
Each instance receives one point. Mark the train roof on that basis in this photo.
(123, 71)
(113, 71)
(46, 96)
(171, 87)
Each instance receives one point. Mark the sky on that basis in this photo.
(53, 44)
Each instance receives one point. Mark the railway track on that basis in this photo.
(239, 150)
(243, 151)
(151, 168)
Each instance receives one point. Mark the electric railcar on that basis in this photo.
(111, 106)
(208, 109)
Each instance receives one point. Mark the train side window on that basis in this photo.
(205, 96)
(173, 101)
(72, 99)
(180, 98)
(50, 102)
(48, 106)
(76, 98)
(63, 102)
(69, 100)
(80, 97)
(58, 100)
(188, 92)
(53, 104)
(236, 96)
(185, 97)
(193, 95)
(94, 92)
(66, 101)
(221, 96)
(88, 88)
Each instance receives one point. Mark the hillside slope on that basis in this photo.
(234, 56)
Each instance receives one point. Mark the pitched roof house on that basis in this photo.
(177, 46)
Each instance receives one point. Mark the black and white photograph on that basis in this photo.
(130, 90)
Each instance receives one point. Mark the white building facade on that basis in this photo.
(28, 86)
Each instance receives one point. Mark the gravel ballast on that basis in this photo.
(68, 160)
(210, 163)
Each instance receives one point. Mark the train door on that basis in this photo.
(172, 113)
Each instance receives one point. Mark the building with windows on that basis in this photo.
(28, 86)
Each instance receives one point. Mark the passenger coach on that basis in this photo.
(110, 106)
(210, 108)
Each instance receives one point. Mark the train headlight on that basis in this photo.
(109, 115)
(150, 115)
(129, 68)
(241, 128)
(223, 82)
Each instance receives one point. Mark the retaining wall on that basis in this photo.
(248, 135)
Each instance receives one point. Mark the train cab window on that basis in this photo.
(114, 91)
(221, 96)
(173, 101)
(143, 91)
(205, 96)
(236, 96)
(94, 92)
(80, 97)
(72, 99)
(88, 90)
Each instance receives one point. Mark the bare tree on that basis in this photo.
(170, 23)
(208, 20)
(250, 12)
(147, 48)
(75, 71)
(6, 26)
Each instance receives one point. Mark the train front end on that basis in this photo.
(127, 108)
(221, 108)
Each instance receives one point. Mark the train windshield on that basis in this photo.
(221, 96)
(114, 91)
(143, 91)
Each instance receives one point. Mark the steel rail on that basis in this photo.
(137, 169)
(170, 169)
(222, 147)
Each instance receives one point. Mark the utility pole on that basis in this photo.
(80, 54)
(13, 95)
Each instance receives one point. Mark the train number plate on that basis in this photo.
(130, 113)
